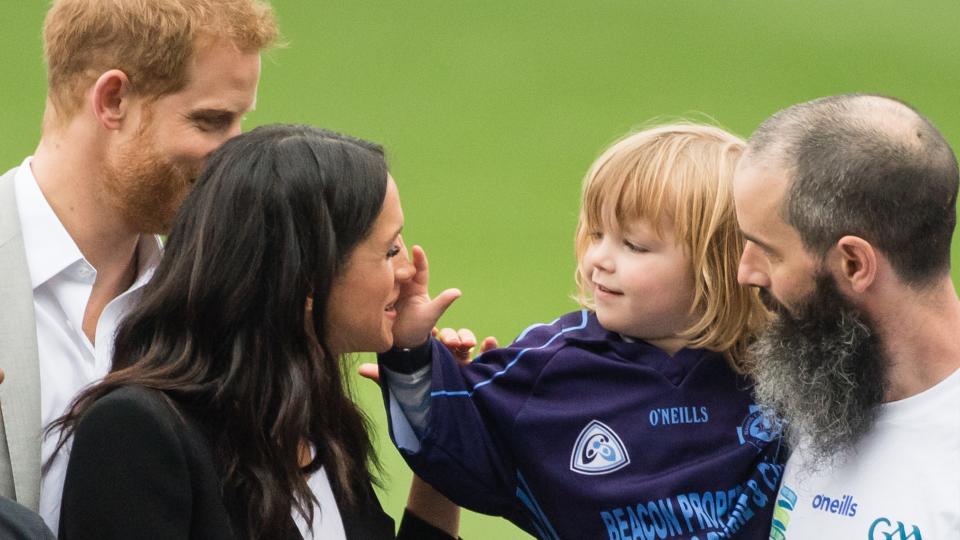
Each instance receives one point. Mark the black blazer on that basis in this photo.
(138, 469)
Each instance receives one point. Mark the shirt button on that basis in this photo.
(85, 270)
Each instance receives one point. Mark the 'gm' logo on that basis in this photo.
(883, 529)
(598, 450)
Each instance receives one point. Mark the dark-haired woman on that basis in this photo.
(226, 415)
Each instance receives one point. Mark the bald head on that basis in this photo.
(868, 166)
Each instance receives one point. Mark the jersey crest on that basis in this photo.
(598, 450)
(758, 428)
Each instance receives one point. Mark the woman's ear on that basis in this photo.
(111, 97)
(309, 304)
(857, 263)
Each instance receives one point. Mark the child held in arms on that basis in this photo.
(633, 417)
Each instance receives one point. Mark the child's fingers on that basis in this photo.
(467, 342)
(438, 305)
(461, 343)
(421, 265)
(457, 339)
(448, 337)
(369, 371)
(489, 343)
(467, 339)
(452, 340)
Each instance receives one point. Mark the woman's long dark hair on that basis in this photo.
(222, 329)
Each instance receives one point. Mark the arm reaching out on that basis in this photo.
(417, 316)
(461, 343)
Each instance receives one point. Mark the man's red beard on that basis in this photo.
(144, 188)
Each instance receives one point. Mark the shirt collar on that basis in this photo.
(593, 333)
(149, 251)
(49, 247)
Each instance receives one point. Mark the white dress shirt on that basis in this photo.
(62, 283)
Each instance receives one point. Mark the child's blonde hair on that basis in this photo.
(682, 172)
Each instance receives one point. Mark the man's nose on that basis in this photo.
(751, 271)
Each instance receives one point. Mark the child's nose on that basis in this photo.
(601, 256)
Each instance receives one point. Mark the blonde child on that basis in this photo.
(628, 419)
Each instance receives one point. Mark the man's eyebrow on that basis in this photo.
(210, 113)
(763, 245)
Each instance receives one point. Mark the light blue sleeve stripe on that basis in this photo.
(540, 519)
(537, 325)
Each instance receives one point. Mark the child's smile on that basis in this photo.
(641, 281)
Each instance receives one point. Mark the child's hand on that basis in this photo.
(460, 342)
(417, 314)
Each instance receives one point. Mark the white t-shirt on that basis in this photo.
(327, 523)
(902, 481)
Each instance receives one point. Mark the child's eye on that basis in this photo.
(635, 248)
(394, 251)
(595, 235)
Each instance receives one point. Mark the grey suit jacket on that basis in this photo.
(20, 392)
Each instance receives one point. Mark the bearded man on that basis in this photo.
(139, 93)
(848, 206)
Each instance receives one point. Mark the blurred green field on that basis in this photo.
(492, 110)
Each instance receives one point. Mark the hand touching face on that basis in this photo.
(362, 306)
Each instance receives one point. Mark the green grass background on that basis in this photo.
(492, 111)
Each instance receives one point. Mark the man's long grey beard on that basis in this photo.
(822, 370)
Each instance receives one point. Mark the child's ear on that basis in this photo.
(857, 264)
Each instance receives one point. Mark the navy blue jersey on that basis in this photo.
(572, 432)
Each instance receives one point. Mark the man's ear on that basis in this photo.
(111, 98)
(857, 262)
